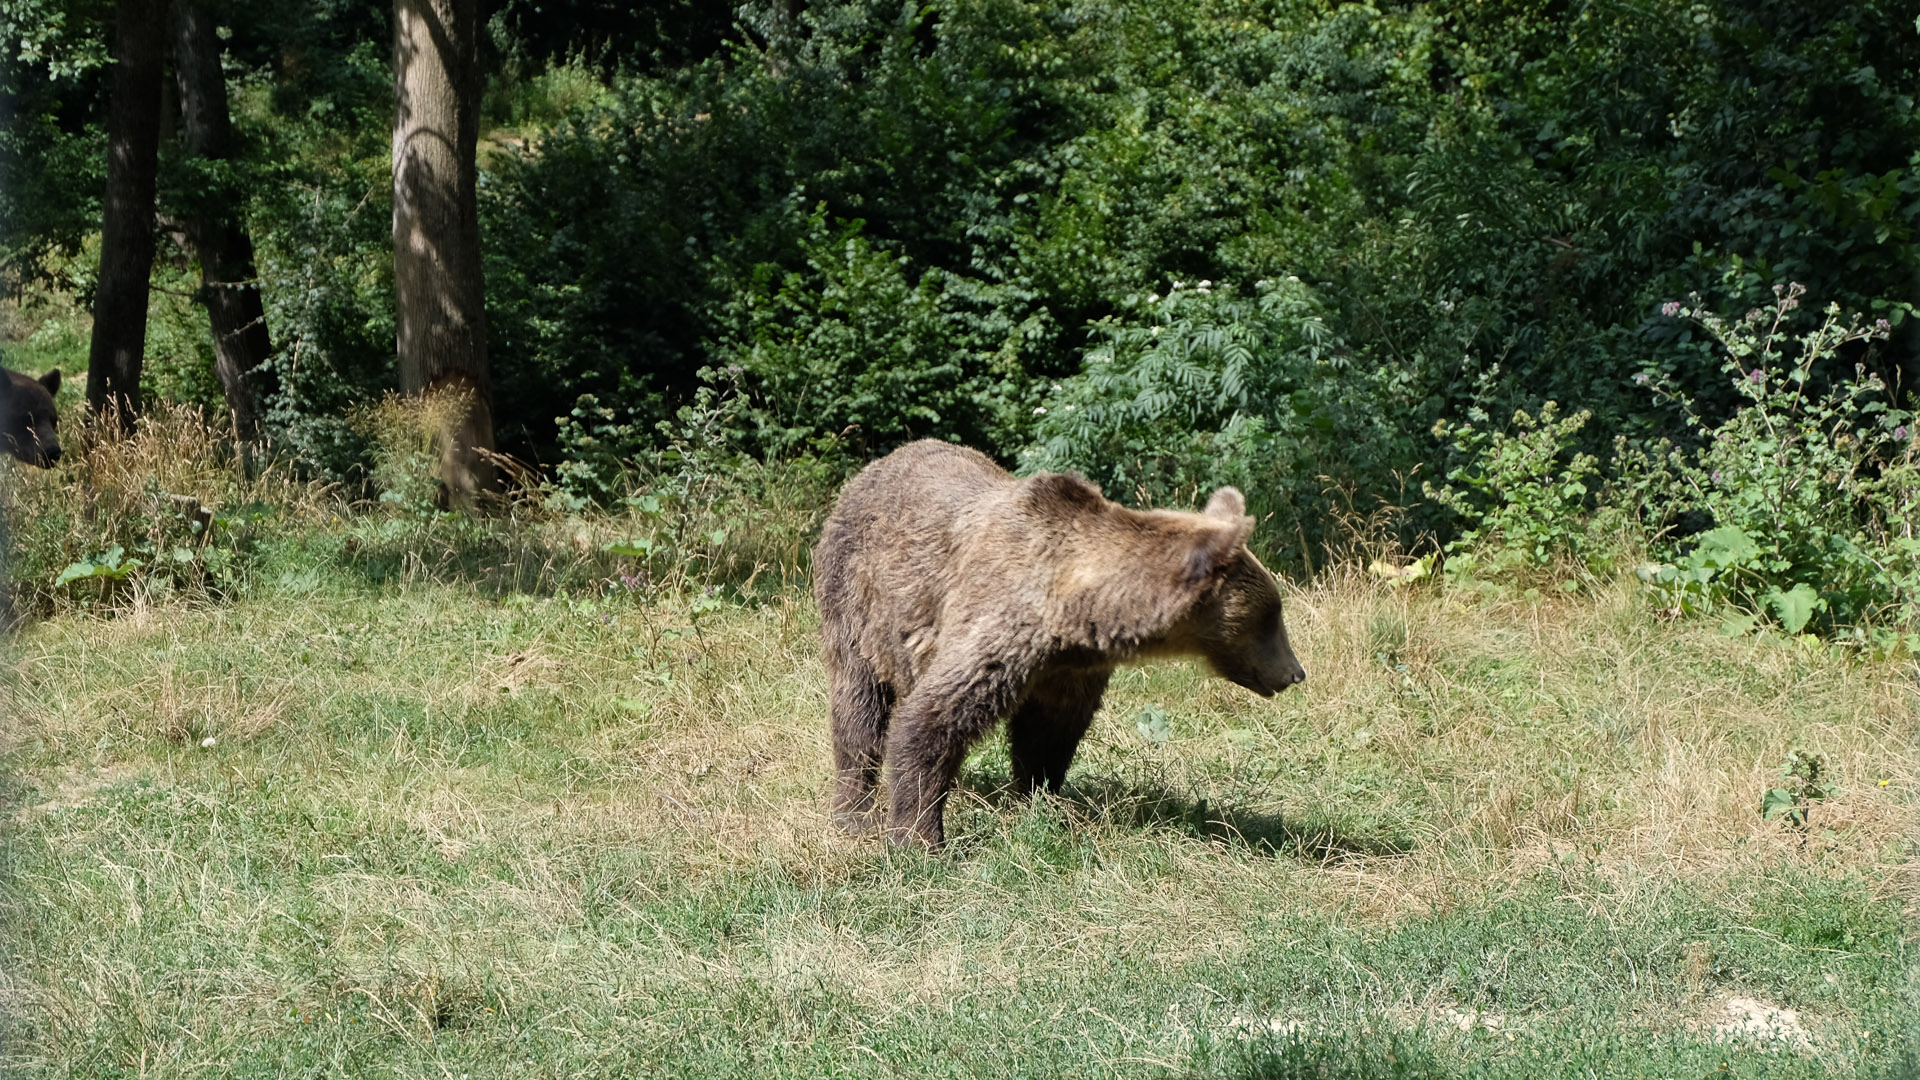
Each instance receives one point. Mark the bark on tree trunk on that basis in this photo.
(212, 228)
(438, 292)
(126, 232)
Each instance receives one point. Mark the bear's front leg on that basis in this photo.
(928, 739)
(1047, 727)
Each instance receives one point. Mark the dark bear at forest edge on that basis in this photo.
(953, 594)
(27, 417)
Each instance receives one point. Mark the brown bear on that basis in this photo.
(953, 594)
(27, 416)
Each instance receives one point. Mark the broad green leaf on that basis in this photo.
(1726, 546)
(108, 566)
(74, 573)
(1794, 607)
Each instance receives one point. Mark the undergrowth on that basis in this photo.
(167, 509)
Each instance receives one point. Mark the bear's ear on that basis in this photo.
(1226, 503)
(1215, 545)
(51, 380)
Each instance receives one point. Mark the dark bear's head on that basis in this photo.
(1237, 625)
(27, 417)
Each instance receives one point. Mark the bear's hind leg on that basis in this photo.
(859, 704)
(1046, 729)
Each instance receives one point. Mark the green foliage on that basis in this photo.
(1701, 579)
(323, 243)
(914, 221)
(1805, 781)
(698, 511)
(851, 344)
(1205, 387)
(1813, 473)
(111, 565)
(1524, 495)
(1483, 203)
(598, 448)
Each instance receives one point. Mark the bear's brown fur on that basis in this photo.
(27, 417)
(952, 595)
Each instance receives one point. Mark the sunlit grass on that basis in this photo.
(415, 830)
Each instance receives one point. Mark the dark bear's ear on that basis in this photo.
(51, 380)
(1226, 503)
(1216, 545)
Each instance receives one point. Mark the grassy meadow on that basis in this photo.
(413, 824)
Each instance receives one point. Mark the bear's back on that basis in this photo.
(888, 555)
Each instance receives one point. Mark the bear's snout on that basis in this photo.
(1269, 683)
(1293, 676)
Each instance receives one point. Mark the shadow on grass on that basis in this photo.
(500, 558)
(1145, 806)
(1332, 1058)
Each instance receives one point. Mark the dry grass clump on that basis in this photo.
(168, 507)
(410, 436)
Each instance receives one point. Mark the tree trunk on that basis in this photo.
(212, 228)
(126, 232)
(438, 292)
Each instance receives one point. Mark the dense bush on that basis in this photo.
(851, 344)
(1204, 387)
(1525, 495)
(1796, 507)
(926, 212)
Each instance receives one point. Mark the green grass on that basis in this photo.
(417, 829)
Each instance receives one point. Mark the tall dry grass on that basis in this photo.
(169, 491)
(168, 507)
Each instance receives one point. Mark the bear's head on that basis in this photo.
(28, 418)
(1131, 584)
(1236, 625)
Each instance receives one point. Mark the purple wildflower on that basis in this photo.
(1900, 433)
